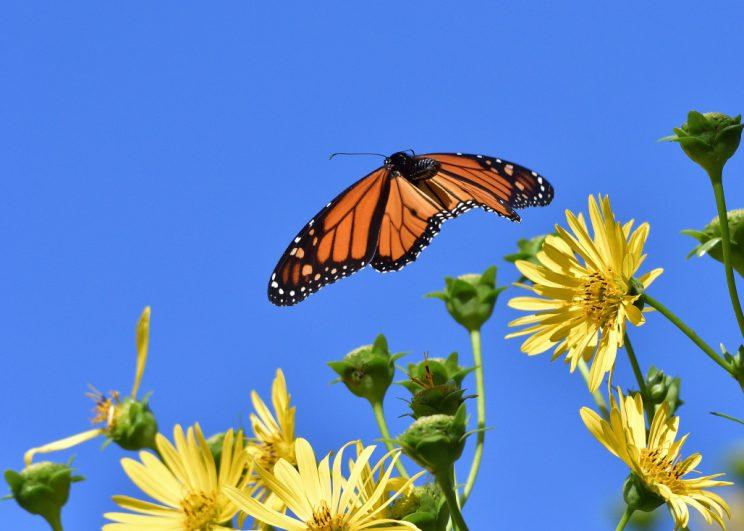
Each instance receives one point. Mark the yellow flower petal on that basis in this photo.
(61, 444)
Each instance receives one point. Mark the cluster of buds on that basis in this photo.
(436, 386)
(470, 299)
(425, 507)
(663, 389)
(709, 139)
(710, 240)
(368, 371)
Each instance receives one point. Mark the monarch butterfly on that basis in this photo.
(389, 216)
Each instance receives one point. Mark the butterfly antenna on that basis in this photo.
(360, 153)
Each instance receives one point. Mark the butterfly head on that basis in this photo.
(399, 160)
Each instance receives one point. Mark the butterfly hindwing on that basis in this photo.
(411, 219)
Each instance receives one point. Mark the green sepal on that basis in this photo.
(368, 371)
(134, 426)
(709, 139)
(439, 370)
(425, 507)
(43, 489)
(435, 442)
(710, 239)
(470, 299)
(638, 496)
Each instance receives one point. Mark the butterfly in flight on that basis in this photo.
(389, 216)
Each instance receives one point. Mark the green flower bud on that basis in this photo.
(368, 370)
(437, 371)
(638, 496)
(425, 507)
(470, 299)
(442, 399)
(43, 488)
(435, 442)
(528, 250)
(709, 139)
(133, 426)
(215, 447)
(736, 362)
(663, 388)
(710, 240)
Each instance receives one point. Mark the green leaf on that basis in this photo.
(727, 417)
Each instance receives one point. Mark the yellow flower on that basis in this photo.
(655, 459)
(320, 497)
(186, 484)
(586, 290)
(273, 435)
(137, 427)
(371, 478)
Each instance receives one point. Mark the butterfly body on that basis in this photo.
(410, 167)
(389, 216)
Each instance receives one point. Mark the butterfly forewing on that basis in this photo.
(338, 241)
(416, 211)
(508, 184)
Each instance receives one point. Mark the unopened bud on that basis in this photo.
(368, 370)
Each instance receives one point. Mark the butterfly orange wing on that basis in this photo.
(415, 211)
(337, 242)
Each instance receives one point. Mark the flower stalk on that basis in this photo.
(716, 179)
(648, 405)
(624, 519)
(475, 339)
(689, 332)
(385, 432)
(445, 480)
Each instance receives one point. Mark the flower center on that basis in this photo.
(661, 469)
(600, 298)
(271, 450)
(201, 511)
(323, 520)
(104, 412)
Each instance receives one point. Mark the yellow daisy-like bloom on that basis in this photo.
(274, 436)
(586, 290)
(186, 484)
(320, 497)
(655, 459)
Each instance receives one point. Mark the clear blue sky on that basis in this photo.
(165, 153)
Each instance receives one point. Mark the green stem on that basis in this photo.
(55, 520)
(716, 180)
(598, 398)
(624, 519)
(446, 484)
(382, 423)
(689, 332)
(647, 405)
(475, 339)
